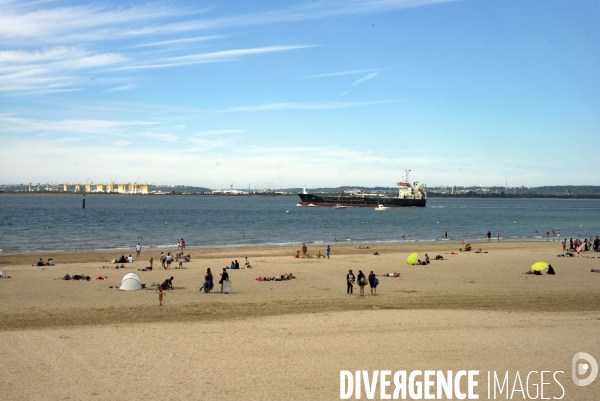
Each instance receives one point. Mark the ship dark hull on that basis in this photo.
(359, 201)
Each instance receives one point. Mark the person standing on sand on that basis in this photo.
(489, 234)
(169, 260)
(372, 278)
(350, 281)
(208, 279)
(304, 250)
(182, 244)
(161, 294)
(328, 251)
(362, 281)
(224, 277)
(163, 259)
(138, 250)
(498, 234)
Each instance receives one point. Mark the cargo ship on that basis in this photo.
(408, 195)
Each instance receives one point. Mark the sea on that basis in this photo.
(49, 223)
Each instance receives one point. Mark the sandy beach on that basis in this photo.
(290, 339)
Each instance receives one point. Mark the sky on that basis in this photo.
(273, 94)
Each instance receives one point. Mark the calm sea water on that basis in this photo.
(57, 223)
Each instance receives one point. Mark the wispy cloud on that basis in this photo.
(213, 57)
(363, 79)
(105, 127)
(337, 74)
(52, 69)
(64, 42)
(180, 41)
(121, 88)
(220, 132)
(161, 137)
(304, 106)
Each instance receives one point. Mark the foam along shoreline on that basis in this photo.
(270, 245)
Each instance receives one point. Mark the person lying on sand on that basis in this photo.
(360, 247)
(549, 270)
(276, 278)
(394, 274)
(480, 251)
(76, 277)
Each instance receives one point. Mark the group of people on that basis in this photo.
(181, 244)
(362, 281)
(574, 247)
(49, 262)
(123, 259)
(208, 284)
(235, 264)
(318, 254)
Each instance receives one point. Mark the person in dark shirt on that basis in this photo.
(224, 277)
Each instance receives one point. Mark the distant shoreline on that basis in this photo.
(429, 195)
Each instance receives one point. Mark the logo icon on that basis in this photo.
(581, 368)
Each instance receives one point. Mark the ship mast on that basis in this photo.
(304, 187)
(407, 180)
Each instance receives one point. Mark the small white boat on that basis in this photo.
(381, 207)
(299, 204)
(338, 206)
(311, 205)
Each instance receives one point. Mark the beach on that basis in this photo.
(290, 339)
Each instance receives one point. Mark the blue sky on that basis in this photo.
(272, 93)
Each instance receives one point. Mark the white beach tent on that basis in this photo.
(2, 273)
(131, 282)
